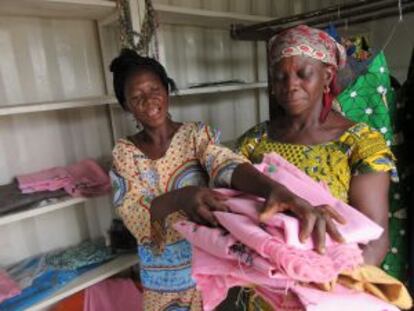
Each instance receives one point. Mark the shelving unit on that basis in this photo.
(89, 9)
(110, 100)
(199, 17)
(103, 13)
(49, 106)
(62, 203)
(89, 278)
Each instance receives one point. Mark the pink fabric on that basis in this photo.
(358, 229)
(270, 256)
(83, 179)
(8, 287)
(113, 295)
(215, 276)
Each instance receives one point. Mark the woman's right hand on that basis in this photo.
(199, 203)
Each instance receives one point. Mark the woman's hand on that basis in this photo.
(317, 220)
(199, 203)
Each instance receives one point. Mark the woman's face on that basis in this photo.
(147, 98)
(299, 82)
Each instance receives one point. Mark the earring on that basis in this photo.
(327, 89)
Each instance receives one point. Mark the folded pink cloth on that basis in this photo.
(8, 287)
(83, 179)
(358, 229)
(270, 256)
(113, 295)
(47, 180)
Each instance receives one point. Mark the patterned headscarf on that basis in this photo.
(306, 41)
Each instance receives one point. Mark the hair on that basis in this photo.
(129, 63)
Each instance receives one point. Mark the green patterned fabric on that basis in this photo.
(371, 99)
(368, 98)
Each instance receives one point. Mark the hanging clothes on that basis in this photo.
(372, 100)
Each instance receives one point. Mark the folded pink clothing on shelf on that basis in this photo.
(83, 179)
(47, 180)
(8, 287)
(113, 295)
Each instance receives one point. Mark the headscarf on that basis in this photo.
(303, 40)
(310, 42)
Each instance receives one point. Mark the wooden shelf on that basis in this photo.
(221, 89)
(169, 14)
(90, 9)
(88, 279)
(62, 203)
(48, 106)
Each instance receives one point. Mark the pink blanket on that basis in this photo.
(83, 179)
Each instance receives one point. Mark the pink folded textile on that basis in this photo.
(83, 179)
(216, 242)
(358, 229)
(47, 180)
(215, 276)
(8, 287)
(270, 256)
(113, 295)
(300, 265)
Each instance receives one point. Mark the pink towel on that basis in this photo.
(113, 295)
(8, 287)
(83, 179)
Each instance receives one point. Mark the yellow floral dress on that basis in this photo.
(358, 150)
(193, 158)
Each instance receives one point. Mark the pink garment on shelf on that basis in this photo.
(8, 287)
(88, 178)
(83, 179)
(47, 180)
(113, 295)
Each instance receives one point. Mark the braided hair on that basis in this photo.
(128, 63)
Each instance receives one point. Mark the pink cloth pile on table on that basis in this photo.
(82, 179)
(270, 257)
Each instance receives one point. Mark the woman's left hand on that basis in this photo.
(313, 219)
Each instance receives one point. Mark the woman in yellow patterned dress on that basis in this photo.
(162, 173)
(353, 160)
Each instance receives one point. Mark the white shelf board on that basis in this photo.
(221, 89)
(59, 105)
(88, 279)
(169, 14)
(90, 9)
(62, 203)
(108, 100)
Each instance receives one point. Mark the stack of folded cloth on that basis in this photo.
(270, 258)
(83, 179)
